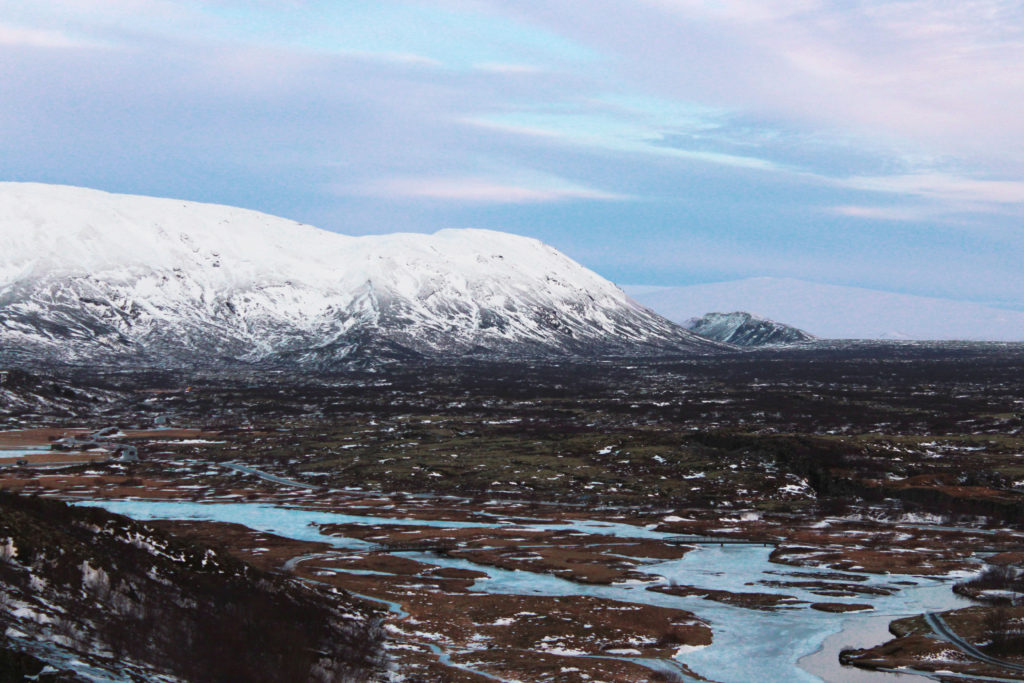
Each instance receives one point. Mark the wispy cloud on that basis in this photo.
(41, 38)
(945, 187)
(883, 213)
(596, 125)
(483, 190)
(945, 75)
(508, 69)
(401, 58)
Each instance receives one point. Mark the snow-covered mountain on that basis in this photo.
(744, 329)
(835, 312)
(86, 276)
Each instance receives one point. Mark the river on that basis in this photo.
(792, 644)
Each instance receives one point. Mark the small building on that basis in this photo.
(126, 453)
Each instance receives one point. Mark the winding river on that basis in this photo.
(791, 644)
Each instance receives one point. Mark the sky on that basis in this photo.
(872, 143)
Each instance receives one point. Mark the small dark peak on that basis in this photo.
(743, 329)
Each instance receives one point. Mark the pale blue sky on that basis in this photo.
(869, 143)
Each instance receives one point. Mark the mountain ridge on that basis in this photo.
(90, 276)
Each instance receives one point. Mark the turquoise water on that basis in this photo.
(22, 452)
(749, 645)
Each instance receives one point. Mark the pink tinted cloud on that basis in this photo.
(881, 213)
(42, 38)
(946, 74)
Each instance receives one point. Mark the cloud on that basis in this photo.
(111, 21)
(508, 69)
(483, 190)
(40, 38)
(942, 74)
(401, 58)
(882, 213)
(946, 187)
(617, 131)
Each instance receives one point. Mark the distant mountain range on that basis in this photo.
(835, 312)
(744, 329)
(87, 276)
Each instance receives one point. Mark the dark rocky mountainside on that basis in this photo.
(129, 602)
(744, 329)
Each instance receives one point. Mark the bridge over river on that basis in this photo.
(422, 546)
(443, 546)
(693, 539)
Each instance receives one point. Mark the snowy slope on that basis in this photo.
(88, 275)
(744, 329)
(831, 311)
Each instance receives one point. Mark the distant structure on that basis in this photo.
(121, 452)
(3, 377)
(127, 453)
(73, 443)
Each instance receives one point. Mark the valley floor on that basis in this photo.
(569, 522)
